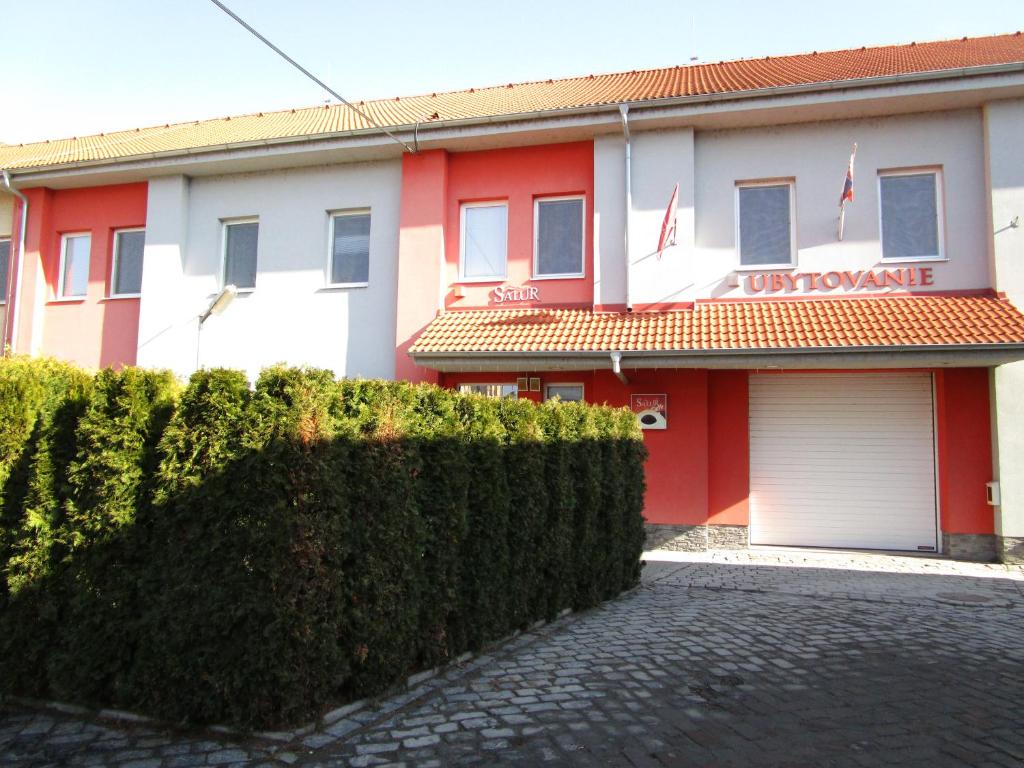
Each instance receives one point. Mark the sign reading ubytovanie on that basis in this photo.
(504, 294)
(651, 410)
(859, 280)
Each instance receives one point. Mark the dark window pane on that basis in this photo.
(128, 269)
(560, 237)
(351, 249)
(910, 225)
(5, 267)
(240, 255)
(765, 225)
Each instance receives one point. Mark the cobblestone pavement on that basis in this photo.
(753, 658)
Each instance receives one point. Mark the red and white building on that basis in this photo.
(796, 388)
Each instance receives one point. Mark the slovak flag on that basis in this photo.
(848, 184)
(668, 226)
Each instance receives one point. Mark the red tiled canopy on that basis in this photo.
(727, 325)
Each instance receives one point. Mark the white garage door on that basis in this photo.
(842, 460)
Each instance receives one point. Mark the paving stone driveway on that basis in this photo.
(759, 658)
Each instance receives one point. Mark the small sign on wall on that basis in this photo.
(651, 410)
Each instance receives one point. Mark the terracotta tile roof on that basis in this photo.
(728, 325)
(521, 98)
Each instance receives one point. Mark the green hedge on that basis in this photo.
(227, 554)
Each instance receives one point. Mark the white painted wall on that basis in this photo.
(815, 155)
(290, 317)
(6, 214)
(1004, 150)
(660, 160)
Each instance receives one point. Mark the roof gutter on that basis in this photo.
(899, 356)
(596, 109)
(14, 296)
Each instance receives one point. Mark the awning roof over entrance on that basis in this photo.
(933, 329)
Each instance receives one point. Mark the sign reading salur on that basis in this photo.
(651, 410)
(506, 294)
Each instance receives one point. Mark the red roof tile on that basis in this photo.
(522, 98)
(727, 325)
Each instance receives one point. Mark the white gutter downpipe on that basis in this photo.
(623, 113)
(617, 367)
(14, 300)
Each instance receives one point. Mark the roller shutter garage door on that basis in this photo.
(842, 460)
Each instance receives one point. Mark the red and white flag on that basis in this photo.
(848, 184)
(668, 226)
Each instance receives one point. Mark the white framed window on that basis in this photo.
(766, 224)
(241, 243)
(483, 253)
(348, 262)
(73, 278)
(126, 265)
(910, 215)
(490, 390)
(5, 267)
(567, 393)
(558, 236)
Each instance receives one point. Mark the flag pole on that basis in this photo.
(842, 219)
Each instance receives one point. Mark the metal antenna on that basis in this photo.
(310, 75)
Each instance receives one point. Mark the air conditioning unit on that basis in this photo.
(652, 419)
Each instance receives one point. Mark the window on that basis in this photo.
(484, 241)
(765, 224)
(558, 237)
(5, 268)
(350, 248)
(910, 208)
(73, 279)
(240, 242)
(490, 390)
(126, 276)
(569, 393)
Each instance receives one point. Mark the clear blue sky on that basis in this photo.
(72, 67)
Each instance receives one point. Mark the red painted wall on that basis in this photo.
(964, 450)
(728, 448)
(518, 176)
(421, 239)
(95, 331)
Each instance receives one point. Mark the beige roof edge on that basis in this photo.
(596, 109)
(782, 358)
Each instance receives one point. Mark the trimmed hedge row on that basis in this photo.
(227, 554)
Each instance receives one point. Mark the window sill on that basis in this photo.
(121, 296)
(920, 260)
(481, 280)
(332, 287)
(577, 276)
(68, 300)
(762, 267)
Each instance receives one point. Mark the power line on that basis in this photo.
(310, 75)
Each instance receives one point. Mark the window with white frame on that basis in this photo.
(490, 390)
(350, 248)
(910, 203)
(558, 237)
(484, 251)
(73, 279)
(241, 239)
(765, 224)
(5, 267)
(569, 393)
(126, 273)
